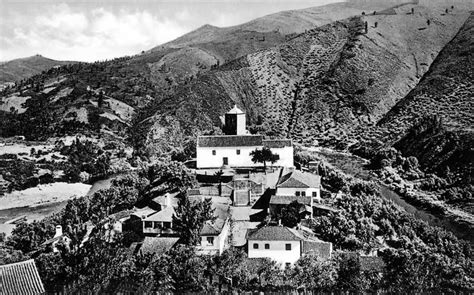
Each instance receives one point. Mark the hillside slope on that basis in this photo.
(442, 106)
(22, 68)
(210, 46)
(322, 84)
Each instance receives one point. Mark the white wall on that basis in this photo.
(285, 191)
(205, 158)
(241, 124)
(219, 242)
(286, 156)
(277, 251)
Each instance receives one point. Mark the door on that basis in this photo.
(225, 161)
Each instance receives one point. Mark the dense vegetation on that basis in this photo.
(365, 222)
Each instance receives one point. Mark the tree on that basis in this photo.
(290, 214)
(170, 176)
(312, 274)
(29, 236)
(189, 218)
(263, 156)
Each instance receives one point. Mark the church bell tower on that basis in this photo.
(235, 122)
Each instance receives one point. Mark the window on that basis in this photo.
(303, 194)
(315, 194)
(213, 152)
(288, 247)
(210, 240)
(148, 224)
(238, 152)
(156, 225)
(267, 246)
(255, 245)
(297, 194)
(166, 224)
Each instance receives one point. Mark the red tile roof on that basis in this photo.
(274, 233)
(299, 179)
(285, 200)
(20, 278)
(230, 141)
(157, 245)
(241, 140)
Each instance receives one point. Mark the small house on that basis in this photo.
(296, 185)
(59, 238)
(285, 245)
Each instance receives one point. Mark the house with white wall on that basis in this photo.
(234, 147)
(161, 222)
(296, 185)
(285, 245)
(213, 237)
(215, 233)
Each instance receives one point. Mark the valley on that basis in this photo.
(375, 97)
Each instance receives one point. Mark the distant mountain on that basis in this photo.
(22, 68)
(209, 46)
(327, 84)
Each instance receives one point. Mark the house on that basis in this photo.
(285, 245)
(296, 185)
(59, 238)
(214, 234)
(213, 237)
(160, 222)
(233, 148)
(20, 278)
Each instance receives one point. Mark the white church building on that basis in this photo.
(233, 149)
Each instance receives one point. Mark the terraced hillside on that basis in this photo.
(328, 84)
(443, 108)
(210, 46)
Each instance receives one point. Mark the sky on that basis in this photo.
(90, 30)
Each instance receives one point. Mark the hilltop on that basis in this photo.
(321, 84)
(22, 68)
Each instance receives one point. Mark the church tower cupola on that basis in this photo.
(235, 122)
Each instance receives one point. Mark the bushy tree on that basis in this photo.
(264, 155)
(290, 214)
(189, 218)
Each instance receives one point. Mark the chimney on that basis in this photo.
(59, 231)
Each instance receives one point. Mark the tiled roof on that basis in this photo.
(276, 143)
(324, 207)
(20, 278)
(230, 141)
(299, 179)
(285, 200)
(212, 228)
(274, 233)
(165, 215)
(157, 245)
